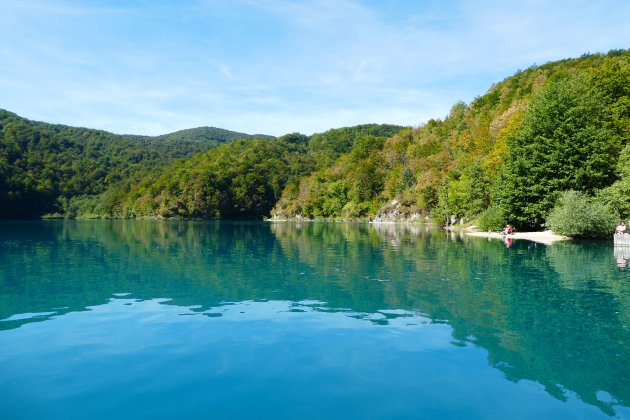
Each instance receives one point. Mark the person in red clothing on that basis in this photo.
(507, 230)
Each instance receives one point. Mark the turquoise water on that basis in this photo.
(145, 319)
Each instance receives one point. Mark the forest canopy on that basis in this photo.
(44, 166)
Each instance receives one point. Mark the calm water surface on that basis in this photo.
(141, 319)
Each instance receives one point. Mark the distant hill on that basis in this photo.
(243, 179)
(42, 165)
(204, 135)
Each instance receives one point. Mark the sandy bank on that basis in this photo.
(546, 237)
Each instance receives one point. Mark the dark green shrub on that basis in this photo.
(491, 219)
(578, 216)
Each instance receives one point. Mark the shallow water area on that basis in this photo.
(166, 319)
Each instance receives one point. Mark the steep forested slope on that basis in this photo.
(243, 179)
(510, 152)
(43, 166)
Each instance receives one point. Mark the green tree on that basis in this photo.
(617, 196)
(491, 219)
(565, 143)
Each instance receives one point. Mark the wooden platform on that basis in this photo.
(621, 240)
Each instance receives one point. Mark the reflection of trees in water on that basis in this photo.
(179, 260)
(558, 314)
(395, 232)
(553, 314)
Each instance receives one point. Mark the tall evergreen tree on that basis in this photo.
(566, 143)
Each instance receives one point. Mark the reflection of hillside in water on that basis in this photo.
(558, 314)
(68, 266)
(395, 233)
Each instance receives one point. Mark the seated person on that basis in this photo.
(507, 230)
(621, 228)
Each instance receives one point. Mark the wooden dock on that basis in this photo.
(621, 239)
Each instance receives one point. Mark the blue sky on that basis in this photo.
(276, 67)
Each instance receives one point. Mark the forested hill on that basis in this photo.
(537, 144)
(43, 166)
(243, 179)
(506, 157)
(202, 135)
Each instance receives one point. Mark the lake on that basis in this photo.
(244, 320)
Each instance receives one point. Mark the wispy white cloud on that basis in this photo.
(278, 66)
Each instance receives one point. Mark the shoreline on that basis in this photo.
(547, 237)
